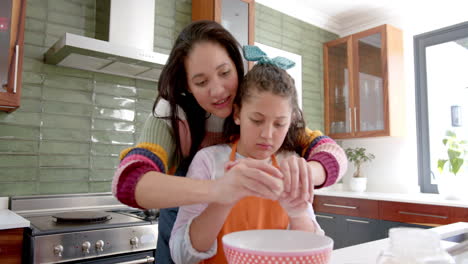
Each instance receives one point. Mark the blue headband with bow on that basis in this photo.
(254, 53)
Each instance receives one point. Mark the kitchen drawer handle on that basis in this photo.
(340, 206)
(148, 259)
(357, 221)
(16, 68)
(418, 214)
(324, 216)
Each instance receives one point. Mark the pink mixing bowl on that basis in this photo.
(277, 247)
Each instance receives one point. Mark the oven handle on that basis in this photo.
(148, 259)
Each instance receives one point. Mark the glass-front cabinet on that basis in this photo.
(237, 16)
(364, 89)
(337, 97)
(12, 14)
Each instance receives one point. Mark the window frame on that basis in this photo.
(421, 42)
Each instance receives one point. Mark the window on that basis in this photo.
(441, 68)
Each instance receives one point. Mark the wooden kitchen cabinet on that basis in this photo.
(11, 244)
(237, 16)
(346, 206)
(363, 84)
(358, 230)
(12, 19)
(424, 214)
(352, 221)
(348, 230)
(347, 221)
(330, 223)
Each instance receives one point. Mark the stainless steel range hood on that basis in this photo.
(123, 44)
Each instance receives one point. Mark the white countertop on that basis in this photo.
(420, 198)
(367, 253)
(9, 220)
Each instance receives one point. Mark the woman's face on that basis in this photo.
(264, 120)
(212, 78)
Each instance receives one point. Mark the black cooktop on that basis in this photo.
(48, 224)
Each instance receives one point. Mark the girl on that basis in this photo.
(270, 126)
(196, 92)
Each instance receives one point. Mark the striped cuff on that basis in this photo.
(144, 152)
(127, 181)
(331, 166)
(317, 142)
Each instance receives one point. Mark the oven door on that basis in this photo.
(129, 258)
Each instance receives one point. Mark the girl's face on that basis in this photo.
(212, 78)
(264, 121)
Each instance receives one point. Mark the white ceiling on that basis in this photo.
(345, 16)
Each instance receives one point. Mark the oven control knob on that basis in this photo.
(99, 245)
(134, 242)
(58, 250)
(85, 247)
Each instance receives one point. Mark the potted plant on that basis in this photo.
(453, 179)
(358, 156)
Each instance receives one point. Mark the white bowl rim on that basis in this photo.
(329, 244)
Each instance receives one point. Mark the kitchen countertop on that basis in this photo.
(9, 220)
(367, 253)
(420, 198)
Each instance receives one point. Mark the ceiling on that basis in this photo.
(345, 16)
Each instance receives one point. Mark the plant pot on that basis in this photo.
(358, 184)
(453, 187)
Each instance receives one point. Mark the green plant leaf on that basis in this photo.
(441, 164)
(456, 165)
(451, 134)
(453, 154)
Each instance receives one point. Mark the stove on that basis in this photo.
(86, 228)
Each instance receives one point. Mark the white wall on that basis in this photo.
(395, 167)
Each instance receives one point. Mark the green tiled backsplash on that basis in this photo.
(72, 124)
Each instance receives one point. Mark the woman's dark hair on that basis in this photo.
(270, 78)
(173, 84)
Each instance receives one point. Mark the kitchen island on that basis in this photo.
(367, 253)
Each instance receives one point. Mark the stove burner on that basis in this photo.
(81, 217)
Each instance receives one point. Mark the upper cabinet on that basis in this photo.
(237, 16)
(364, 88)
(12, 18)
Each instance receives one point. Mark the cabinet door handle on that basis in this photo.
(350, 120)
(16, 68)
(340, 206)
(418, 214)
(357, 221)
(355, 119)
(324, 216)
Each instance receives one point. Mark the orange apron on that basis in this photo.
(249, 213)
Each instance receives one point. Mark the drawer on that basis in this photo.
(415, 213)
(459, 214)
(346, 206)
(11, 245)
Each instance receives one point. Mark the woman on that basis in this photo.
(196, 92)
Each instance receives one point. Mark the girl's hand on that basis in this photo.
(298, 179)
(248, 177)
(294, 207)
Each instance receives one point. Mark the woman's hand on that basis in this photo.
(294, 207)
(298, 178)
(248, 177)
